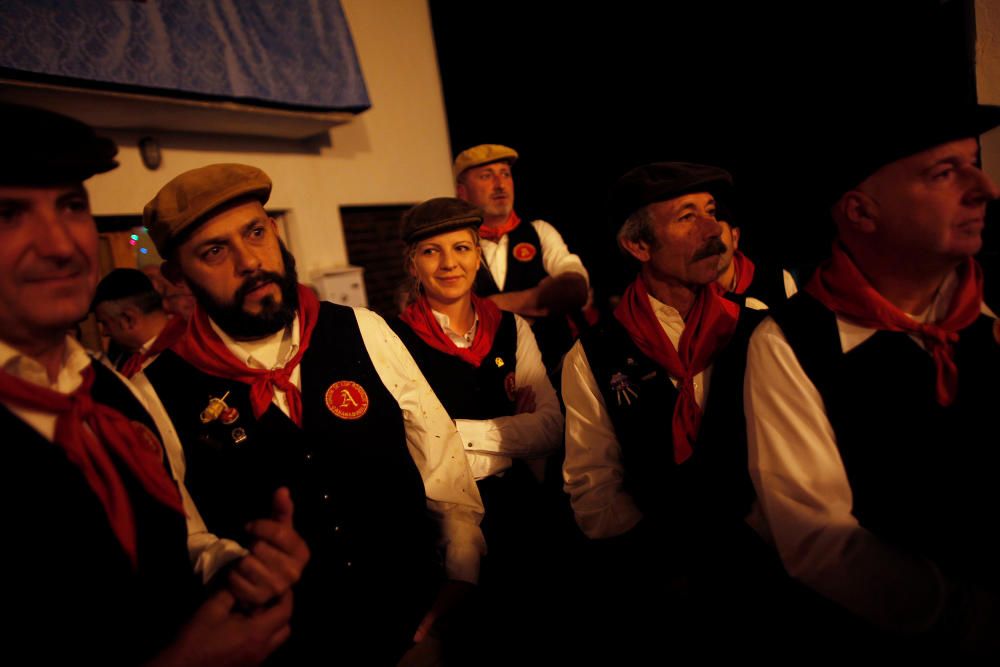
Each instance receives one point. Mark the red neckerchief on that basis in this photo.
(204, 350)
(708, 327)
(420, 318)
(91, 435)
(170, 334)
(492, 233)
(744, 273)
(840, 286)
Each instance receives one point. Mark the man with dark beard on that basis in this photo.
(268, 387)
(655, 462)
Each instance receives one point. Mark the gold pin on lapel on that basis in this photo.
(214, 409)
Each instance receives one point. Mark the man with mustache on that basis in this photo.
(871, 398)
(527, 269)
(108, 537)
(270, 387)
(655, 464)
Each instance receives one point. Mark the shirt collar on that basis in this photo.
(20, 365)
(669, 318)
(269, 352)
(462, 340)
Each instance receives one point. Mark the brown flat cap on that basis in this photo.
(480, 155)
(437, 216)
(191, 198)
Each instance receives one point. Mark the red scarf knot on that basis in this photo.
(840, 286)
(202, 348)
(495, 233)
(419, 316)
(708, 327)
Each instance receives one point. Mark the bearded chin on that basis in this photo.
(273, 316)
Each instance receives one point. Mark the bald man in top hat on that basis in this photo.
(98, 531)
(871, 398)
(527, 268)
(268, 387)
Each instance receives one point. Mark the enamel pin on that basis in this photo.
(347, 400)
(216, 406)
(622, 387)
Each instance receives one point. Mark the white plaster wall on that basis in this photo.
(988, 76)
(395, 153)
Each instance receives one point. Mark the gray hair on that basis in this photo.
(637, 227)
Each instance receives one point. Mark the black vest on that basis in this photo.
(359, 499)
(76, 595)
(923, 476)
(714, 483)
(465, 391)
(552, 333)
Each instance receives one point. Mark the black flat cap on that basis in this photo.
(121, 283)
(437, 216)
(46, 148)
(661, 181)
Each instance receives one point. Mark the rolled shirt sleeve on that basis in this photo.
(593, 471)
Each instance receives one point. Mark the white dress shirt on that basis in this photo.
(491, 444)
(804, 499)
(556, 257)
(207, 552)
(593, 469)
(434, 444)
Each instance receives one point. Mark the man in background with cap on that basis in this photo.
(871, 398)
(269, 387)
(130, 311)
(660, 489)
(105, 575)
(527, 269)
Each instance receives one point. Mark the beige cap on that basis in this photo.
(190, 198)
(480, 155)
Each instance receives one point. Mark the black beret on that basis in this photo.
(45, 148)
(121, 283)
(661, 181)
(439, 215)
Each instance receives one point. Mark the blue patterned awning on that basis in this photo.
(290, 53)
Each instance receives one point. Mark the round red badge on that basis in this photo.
(509, 386)
(347, 399)
(525, 252)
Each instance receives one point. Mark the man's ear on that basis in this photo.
(129, 318)
(638, 249)
(856, 211)
(736, 237)
(461, 191)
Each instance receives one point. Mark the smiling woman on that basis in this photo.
(485, 367)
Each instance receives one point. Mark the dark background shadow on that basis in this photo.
(584, 95)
